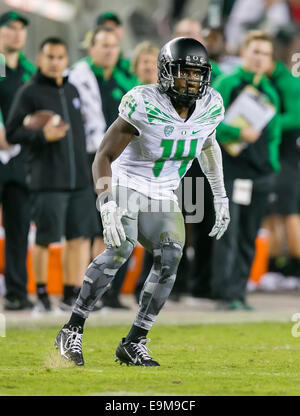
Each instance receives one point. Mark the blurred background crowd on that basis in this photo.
(92, 52)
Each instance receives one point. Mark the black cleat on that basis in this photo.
(135, 353)
(69, 343)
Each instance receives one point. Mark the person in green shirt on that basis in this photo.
(14, 193)
(144, 62)
(215, 71)
(192, 28)
(109, 20)
(112, 80)
(214, 41)
(285, 208)
(112, 21)
(249, 176)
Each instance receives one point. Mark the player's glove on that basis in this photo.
(113, 231)
(222, 217)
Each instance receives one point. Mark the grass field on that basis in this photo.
(213, 359)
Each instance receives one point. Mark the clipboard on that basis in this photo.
(251, 108)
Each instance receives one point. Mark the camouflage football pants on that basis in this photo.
(159, 226)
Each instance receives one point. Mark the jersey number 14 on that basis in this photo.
(167, 145)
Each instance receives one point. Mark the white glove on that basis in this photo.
(113, 231)
(222, 217)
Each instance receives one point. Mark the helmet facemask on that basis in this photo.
(170, 71)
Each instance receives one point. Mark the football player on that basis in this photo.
(161, 128)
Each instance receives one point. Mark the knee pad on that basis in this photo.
(111, 259)
(122, 253)
(118, 255)
(171, 253)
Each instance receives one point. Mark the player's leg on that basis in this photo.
(163, 234)
(101, 272)
(166, 241)
(99, 275)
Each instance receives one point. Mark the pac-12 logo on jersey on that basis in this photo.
(168, 130)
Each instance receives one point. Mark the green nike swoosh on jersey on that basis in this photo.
(194, 132)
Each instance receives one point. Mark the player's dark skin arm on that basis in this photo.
(117, 137)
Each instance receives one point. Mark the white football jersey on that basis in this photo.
(155, 160)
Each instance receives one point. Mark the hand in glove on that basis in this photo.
(113, 231)
(222, 217)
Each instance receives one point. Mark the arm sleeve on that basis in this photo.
(211, 164)
(22, 105)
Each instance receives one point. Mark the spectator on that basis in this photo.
(214, 41)
(14, 193)
(144, 62)
(271, 15)
(285, 210)
(249, 175)
(191, 28)
(57, 168)
(101, 84)
(111, 21)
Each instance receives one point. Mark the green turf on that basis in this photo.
(223, 359)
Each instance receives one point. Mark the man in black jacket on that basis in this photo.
(57, 169)
(14, 194)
